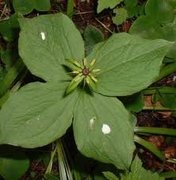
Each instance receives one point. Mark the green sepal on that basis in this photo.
(73, 65)
(74, 83)
(91, 82)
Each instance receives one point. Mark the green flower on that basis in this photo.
(84, 72)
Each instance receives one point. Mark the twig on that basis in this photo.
(3, 11)
(86, 12)
(104, 25)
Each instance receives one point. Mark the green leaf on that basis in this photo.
(150, 146)
(4, 98)
(121, 15)
(169, 33)
(10, 76)
(8, 57)
(92, 36)
(36, 115)
(138, 172)
(9, 28)
(51, 177)
(169, 174)
(46, 42)
(70, 8)
(163, 26)
(127, 63)
(166, 96)
(146, 27)
(13, 166)
(23, 6)
(154, 130)
(168, 100)
(172, 3)
(42, 5)
(103, 131)
(132, 7)
(110, 176)
(104, 4)
(2, 73)
(26, 6)
(160, 10)
(133, 103)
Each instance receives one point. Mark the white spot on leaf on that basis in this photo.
(43, 36)
(38, 118)
(106, 129)
(91, 122)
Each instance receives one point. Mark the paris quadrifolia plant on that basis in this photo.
(79, 89)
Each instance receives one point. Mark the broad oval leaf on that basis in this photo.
(103, 4)
(36, 115)
(146, 27)
(26, 6)
(127, 63)
(46, 42)
(92, 36)
(133, 8)
(14, 165)
(151, 28)
(42, 5)
(9, 28)
(103, 131)
(160, 10)
(23, 6)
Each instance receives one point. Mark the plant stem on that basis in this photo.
(74, 170)
(11, 75)
(157, 108)
(153, 130)
(64, 169)
(70, 8)
(162, 90)
(13, 89)
(104, 25)
(151, 147)
(167, 70)
(50, 165)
